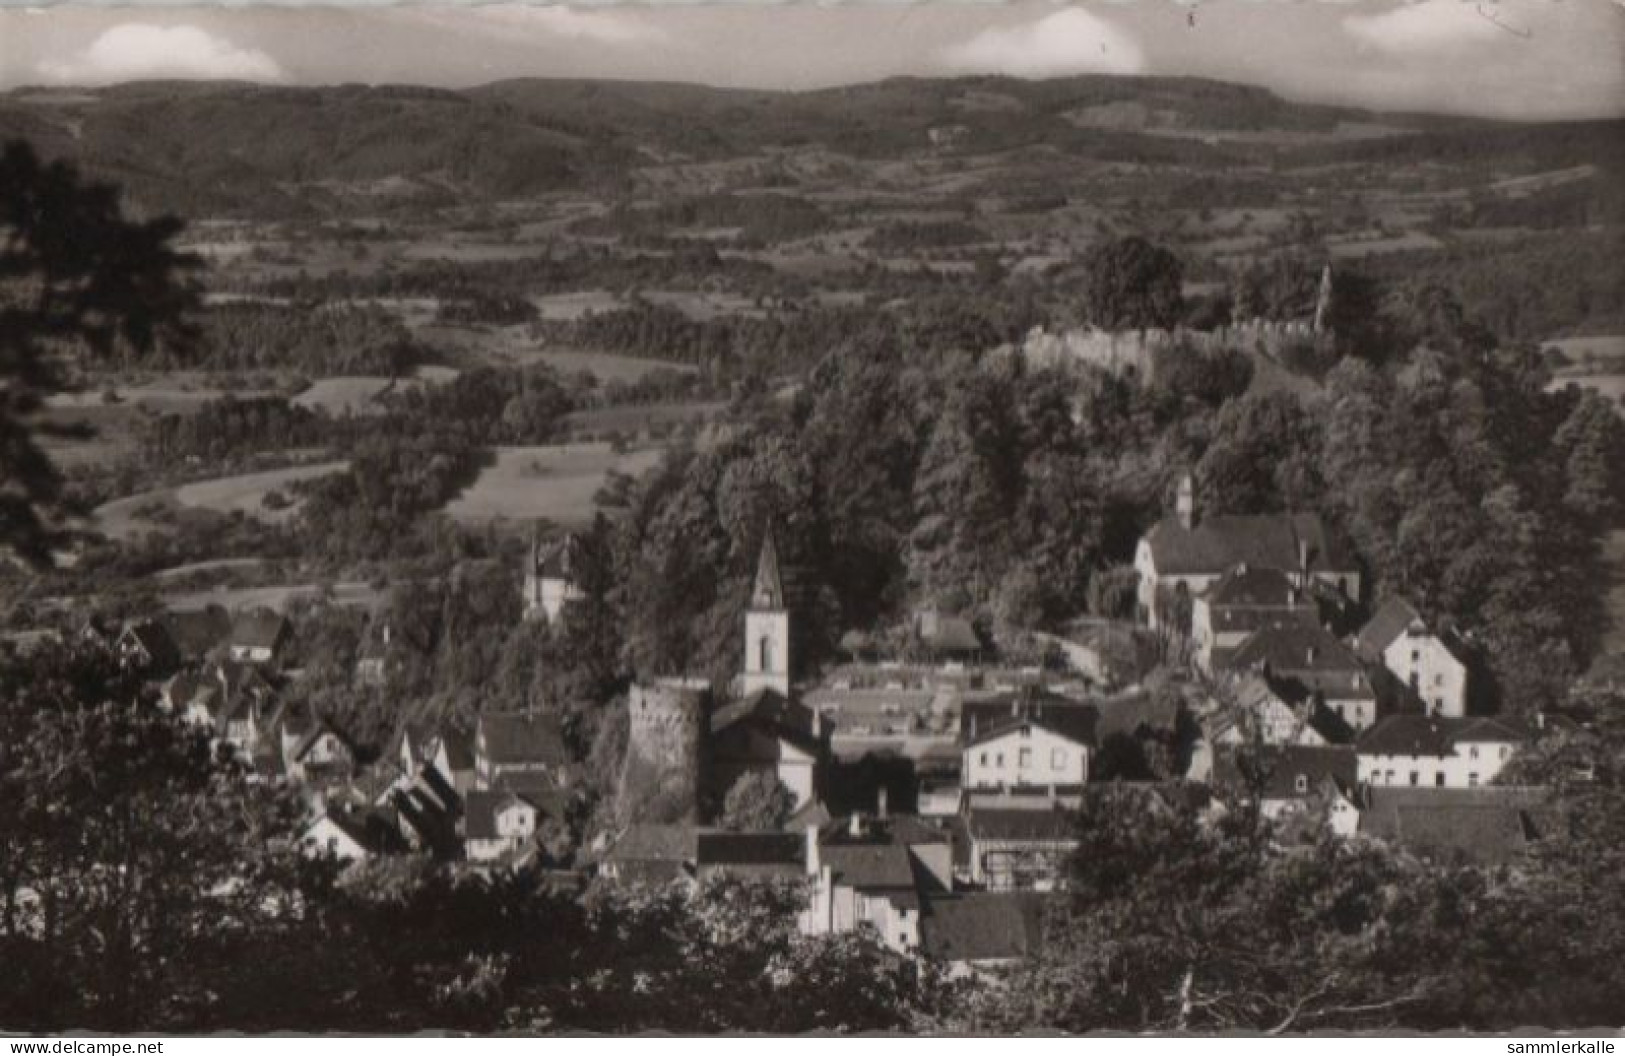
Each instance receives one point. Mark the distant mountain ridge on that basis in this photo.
(230, 148)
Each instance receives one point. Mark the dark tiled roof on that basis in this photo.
(1218, 543)
(259, 629)
(1435, 735)
(981, 927)
(1492, 824)
(1391, 620)
(374, 830)
(1293, 647)
(981, 720)
(1037, 825)
(516, 737)
(1284, 765)
(1252, 587)
(1155, 712)
(771, 710)
(459, 749)
(869, 866)
(760, 853)
(155, 640)
(481, 807)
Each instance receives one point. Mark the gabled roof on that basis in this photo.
(1436, 735)
(1044, 826)
(771, 711)
(374, 830)
(154, 639)
(1294, 648)
(1217, 543)
(998, 926)
(481, 807)
(258, 629)
(315, 732)
(1073, 722)
(1392, 619)
(518, 737)
(981, 720)
(946, 633)
(459, 748)
(1293, 771)
(767, 592)
(869, 866)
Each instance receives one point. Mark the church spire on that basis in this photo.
(768, 592)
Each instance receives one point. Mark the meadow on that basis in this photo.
(556, 482)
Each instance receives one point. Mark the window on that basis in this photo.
(998, 760)
(1472, 780)
(1438, 779)
(1472, 753)
(765, 654)
(1024, 758)
(1505, 751)
(984, 759)
(1416, 777)
(1390, 777)
(1057, 759)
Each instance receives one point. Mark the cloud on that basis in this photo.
(517, 21)
(134, 51)
(1433, 26)
(1067, 42)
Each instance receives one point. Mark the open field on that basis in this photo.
(605, 366)
(359, 394)
(141, 513)
(552, 481)
(277, 598)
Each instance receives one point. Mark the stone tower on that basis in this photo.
(767, 625)
(661, 772)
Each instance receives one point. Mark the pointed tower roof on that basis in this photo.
(768, 591)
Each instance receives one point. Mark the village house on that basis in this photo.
(1183, 555)
(234, 701)
(750, 855)
(1015, 850)
(1307, 663)
(1260, 712)
(498, 824)
(1299, 783)
(1034, 741)
(452, 755)
(1433, 751)
(765, 732)
(316, 752)
(352, 836)
(945, 637)
(870, 871)
(1431, 666)
(1242, 601)
(147, 646)
(258, 637)
(429, 812)
(518, 742)
(550, 578)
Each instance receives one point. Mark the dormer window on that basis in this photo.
(1302, 784)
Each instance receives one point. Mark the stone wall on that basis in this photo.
(1132, 353)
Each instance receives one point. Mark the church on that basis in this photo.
(766, 727)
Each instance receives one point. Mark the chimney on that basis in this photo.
(1309, 655)
(1303, 560)
(854, 826)
(1185, 502)
(881, 803)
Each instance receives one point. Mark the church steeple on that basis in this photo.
(768, 593)
(767, 625)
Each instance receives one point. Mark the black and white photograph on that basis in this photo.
(922, 519)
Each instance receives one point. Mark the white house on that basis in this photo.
(1432, 751)
(1049, 745)
(1298, 782)
(1185, 555)
(351, 836)
(1432, 666)
(1018, 850)
(871, 872)
(497, 824)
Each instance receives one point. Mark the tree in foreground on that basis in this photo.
(758, 801)
(76, 276)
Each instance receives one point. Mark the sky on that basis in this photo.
(1518, 59)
